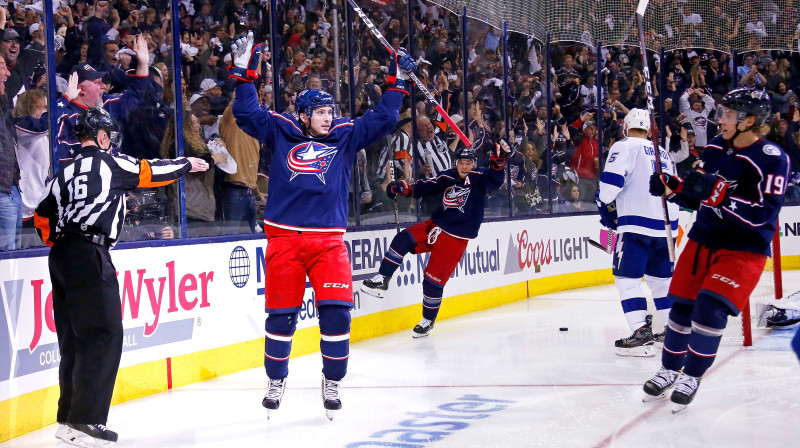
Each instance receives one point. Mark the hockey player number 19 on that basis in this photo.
(774, 184)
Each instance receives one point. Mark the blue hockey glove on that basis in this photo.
(608, 212)
(796, 344)
(399, 188)
(246, 58)
(710, 189)
(667, 184)
(399, 65)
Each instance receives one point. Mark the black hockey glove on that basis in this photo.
(666, 185)
(608, 212)
(399, 188)
(710, 189)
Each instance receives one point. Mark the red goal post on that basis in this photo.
(770, 287)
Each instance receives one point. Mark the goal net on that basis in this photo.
(740, 329)
(769, 288)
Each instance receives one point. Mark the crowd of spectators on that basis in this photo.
(558, 147)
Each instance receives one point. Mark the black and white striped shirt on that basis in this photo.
(90, 191)
(399, 148)
(436, 154)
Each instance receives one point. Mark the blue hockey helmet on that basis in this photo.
(310, 99)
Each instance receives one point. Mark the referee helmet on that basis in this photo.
(91, 121)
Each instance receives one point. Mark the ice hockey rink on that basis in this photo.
(506, 377)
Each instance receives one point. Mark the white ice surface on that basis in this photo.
(564, 389)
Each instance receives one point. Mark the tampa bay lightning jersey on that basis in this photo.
(626, 179)
(758, 176)
(461, 212)
(309, 177)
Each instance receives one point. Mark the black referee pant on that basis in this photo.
(88, 318)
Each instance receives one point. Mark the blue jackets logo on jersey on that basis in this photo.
(455, 197)
(310, 158)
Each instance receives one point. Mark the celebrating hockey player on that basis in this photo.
(453, 223)
(641, 250)
(738, 197)
(306, 212)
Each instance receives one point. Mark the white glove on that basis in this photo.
(241, 49)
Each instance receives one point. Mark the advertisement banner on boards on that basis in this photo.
(189, 298)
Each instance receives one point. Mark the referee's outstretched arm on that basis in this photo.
(102, 189)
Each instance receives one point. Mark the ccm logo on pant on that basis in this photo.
(335, 285)
(725, 280)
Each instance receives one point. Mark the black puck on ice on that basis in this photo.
(563, 329)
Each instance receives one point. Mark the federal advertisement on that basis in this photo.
(189, 298)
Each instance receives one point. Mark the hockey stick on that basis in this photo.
(391, 176)
(599, 246)
(648, 85)
(376, 32)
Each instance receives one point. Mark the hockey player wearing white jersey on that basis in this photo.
(641, 251)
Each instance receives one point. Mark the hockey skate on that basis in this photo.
(63, 432)
(272, 400)
(685, 389)
(78, 434)
(657, 387)
(640, 343)
(423, 328)
(330, 397)
(376, 286)
(659, 338)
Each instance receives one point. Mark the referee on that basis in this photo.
(80, 218)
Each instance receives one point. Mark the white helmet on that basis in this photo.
(637, 119)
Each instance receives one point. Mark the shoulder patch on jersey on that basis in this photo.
(771, 150)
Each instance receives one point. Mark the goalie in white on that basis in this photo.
(641, 250)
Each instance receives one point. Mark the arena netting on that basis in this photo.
(733, 25)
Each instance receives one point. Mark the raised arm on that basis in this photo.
(379, 122)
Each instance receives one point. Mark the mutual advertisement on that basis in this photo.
(190, 298)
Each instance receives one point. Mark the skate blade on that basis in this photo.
(678, 407)
(374, 293)
(645, 351)
(63, 432)
(418, 335)
(269, 413)
(647, 398)
(85, 441)
(330, 413)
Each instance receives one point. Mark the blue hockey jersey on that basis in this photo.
(118, 105)
(759, 175)
(463, 200)
(309, 177)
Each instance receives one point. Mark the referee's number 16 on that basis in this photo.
(79, 186)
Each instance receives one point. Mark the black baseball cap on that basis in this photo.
(87, 73)
(11, 34)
